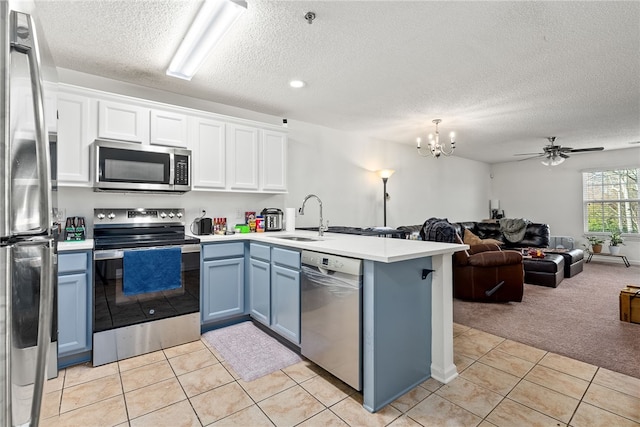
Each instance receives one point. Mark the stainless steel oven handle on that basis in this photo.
(107, 254)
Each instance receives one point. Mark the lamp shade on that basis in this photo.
(385, 173)
(495, 204)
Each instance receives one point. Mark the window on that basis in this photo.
(611, 201)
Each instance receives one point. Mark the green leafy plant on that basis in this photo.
(616, 239)
(595, 240)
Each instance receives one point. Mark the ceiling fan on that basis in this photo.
(555, 154)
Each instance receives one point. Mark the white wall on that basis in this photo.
(340, 168)
(337, 166)
(553, 195)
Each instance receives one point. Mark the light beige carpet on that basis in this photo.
(578, 319)
(250, 352)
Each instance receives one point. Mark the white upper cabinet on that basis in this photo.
(126, 122)
(50, 106)
(139, 123)
(168, 128)
(74, 139)
(273, 164)
(242, 157)
(207, 139)
(228, 154)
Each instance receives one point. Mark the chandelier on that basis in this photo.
(435, 148)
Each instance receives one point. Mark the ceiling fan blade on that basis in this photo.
(565, 149)
(581, 150)
(529, 154)
(534, 157)
(564, 156)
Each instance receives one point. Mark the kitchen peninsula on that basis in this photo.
(407, 307)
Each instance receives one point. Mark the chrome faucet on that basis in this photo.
(322, 227)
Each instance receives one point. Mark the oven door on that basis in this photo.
(116, 306)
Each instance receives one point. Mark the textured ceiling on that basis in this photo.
(503, 75)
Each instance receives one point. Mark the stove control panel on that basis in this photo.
(138, 216)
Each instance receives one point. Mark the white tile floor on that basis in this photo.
(501, 383)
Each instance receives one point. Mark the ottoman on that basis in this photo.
(573, 262)
(547, 271)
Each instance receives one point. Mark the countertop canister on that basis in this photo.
(290, 219)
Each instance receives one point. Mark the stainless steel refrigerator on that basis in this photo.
(28, 258)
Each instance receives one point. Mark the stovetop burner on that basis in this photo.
(135, 228)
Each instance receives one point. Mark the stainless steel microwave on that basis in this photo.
(128, 166)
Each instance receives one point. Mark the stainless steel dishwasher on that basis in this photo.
(332, 314)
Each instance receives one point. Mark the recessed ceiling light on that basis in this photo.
(297, 84)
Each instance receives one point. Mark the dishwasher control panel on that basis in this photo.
(332, 262)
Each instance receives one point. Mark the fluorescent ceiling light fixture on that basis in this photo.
(212, 22)
(297, 84)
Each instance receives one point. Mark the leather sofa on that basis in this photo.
(483, 272)
(536, 235)
(486, 273)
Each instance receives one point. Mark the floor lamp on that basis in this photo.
(385, 174)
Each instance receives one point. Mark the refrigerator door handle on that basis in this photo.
(47, 282)
(23, 41)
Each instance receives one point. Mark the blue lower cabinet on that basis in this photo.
(222, 289)
(285, 302)
(274, 289)
(74, 308)
(222, 281)
(259, 290)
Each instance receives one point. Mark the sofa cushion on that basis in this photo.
(470, 239)
(495, 258)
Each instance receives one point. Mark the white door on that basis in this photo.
(168, 128)
(207, 139)
(242, 151)
(274, 161)
(123, 122)
(74, 142)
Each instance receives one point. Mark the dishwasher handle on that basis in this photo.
(332, 278)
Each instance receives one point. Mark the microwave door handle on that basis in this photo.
(23, 41)
(172, 172)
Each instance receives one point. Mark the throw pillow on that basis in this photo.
(494, 241)
(470, 239)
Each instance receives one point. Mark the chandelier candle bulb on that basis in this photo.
(435, 147)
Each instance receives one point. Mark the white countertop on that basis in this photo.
(69, 245)
(365, 247)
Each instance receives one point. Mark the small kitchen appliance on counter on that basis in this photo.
(272, 219)
(202, 226)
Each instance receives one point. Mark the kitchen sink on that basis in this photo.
(299, 238)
